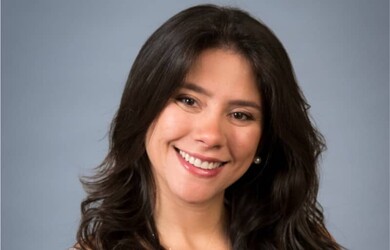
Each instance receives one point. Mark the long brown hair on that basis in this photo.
(272, 207)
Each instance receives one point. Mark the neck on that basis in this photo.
(183, 225)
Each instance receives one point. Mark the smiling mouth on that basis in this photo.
(208, 165)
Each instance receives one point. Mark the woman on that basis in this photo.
(212, 146)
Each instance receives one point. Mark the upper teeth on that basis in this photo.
(198, 163)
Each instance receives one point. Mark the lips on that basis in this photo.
(202, 164)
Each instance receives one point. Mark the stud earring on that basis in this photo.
(257, 160)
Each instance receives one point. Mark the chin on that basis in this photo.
(197, 195)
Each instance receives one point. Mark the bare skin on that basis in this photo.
(202, 142)
(192, 226)
(213, 121)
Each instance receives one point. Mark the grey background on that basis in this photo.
(64, 64)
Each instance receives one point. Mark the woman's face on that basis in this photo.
(207, 135)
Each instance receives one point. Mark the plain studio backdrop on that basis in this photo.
(64, 66)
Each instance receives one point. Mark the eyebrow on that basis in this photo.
(196, 88)
(243, 103)
(200, 90)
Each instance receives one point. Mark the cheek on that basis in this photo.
(169, 125)
(172, 121)
(246, 142)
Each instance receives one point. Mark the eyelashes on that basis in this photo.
(241, 116)
(188, 101)
(192, 105)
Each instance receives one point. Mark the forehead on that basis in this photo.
(223, 68)
(226, 54)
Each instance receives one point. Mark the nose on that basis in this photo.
(209, 131)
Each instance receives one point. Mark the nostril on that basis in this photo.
(211, 136)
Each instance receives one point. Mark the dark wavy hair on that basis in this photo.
(270, 207)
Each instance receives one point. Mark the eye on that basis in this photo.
(186, 100)
(242, 116)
